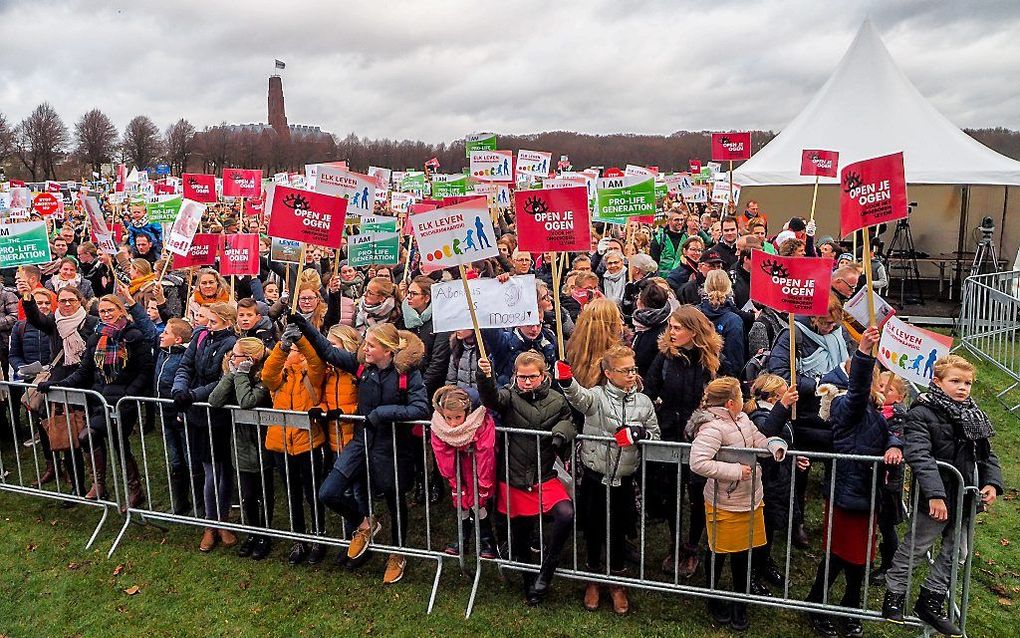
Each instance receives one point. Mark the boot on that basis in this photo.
(801, 540)
(98, 489)
(227, 537)
(135, 496)
(738, 618)
(540, 588)
(179, 488)
(892, 607)
(620, 603)
(487, 540)
(467, 527)
(591, 597)
(208, 540)
(721, 611)
(48, 475)
(930, 609)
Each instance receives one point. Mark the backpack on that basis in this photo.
(754, 366)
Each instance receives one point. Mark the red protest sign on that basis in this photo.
(791, 284)
(307, 216)
(553, 219)
(820, 163)
(731, 146)
(239, 254)
(199, 187)
(163, 188)
(242, 182)
(254, 206)
(46, 203)
(694, 166)
(872, 191)
(201, 253)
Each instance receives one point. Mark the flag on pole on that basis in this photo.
(280, 64)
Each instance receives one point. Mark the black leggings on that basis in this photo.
(522, 528)
(258, 511)
(738, 569)
(296, 472)
(854, 581)
(592, 502)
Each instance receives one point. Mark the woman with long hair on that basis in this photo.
(689, 357)
(599, 327)
(717, 305)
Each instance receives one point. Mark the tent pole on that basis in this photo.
(1002, 226)
(960, 244)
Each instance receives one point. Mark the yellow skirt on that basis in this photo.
(729, 532)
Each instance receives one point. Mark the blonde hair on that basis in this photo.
(142, 266)
(179, 327)
(115, 300)
(766, 387)
(719, 391)
(310, 280)
(612, 355)
(347, 336)
(251, 347)
(706, 340)
(599, 328)
(718, 287)
(895, 382)
(943, 365)
(531, 358)
(226, 311)
(451, 397)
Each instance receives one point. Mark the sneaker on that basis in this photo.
(32, 442)
(823, 626)
(487, 548)
(852, 627)
(263, 546)
(298, 551)
(317, 553)
(395, 565)
(363, 538)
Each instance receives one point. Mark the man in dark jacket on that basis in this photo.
(727, 244)
(690, 293)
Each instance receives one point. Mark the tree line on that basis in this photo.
(41, 147)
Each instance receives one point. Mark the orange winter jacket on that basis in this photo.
(340, 392)
(294, 387)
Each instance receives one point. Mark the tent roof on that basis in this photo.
(868, 108)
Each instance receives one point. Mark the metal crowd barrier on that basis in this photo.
(22, 466)
(989, 323)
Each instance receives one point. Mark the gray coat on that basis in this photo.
(463, 364)
(606, 408)
(239, 389)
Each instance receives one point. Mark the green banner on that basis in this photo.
(24, 244)
(377, 224)
(661, 190)
(617, 201)
(374, 248)
(164, 211)
(455, 186)
(412, 182)
(480, 142)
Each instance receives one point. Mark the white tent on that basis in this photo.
(869, 108)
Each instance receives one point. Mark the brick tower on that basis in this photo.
(277, 112)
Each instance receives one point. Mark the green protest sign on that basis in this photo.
(374, 248)
(413, 181)
(450, 186)
(479, 142)
(164, 211)
(661, 190)
(620, 198)
(24, 244)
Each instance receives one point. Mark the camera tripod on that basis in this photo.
(984, 254)
(902, 258)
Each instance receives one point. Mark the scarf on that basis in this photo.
(613, 285)
(831, 352)
(138, 282)
(462, 435)
(197, 297)
(412, 319)
(647, 318)
(111, 353)
(67, 329)
(59, 284)
(372, 315)
(965, 415)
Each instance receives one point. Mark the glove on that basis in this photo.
(563, 373)
(810, 228)
(183, 399)
(291, 334)
(627, 435)
(244, 367)
(297, 319)
(559, 445)
(44, 386)
(316, 413)
(333, 415)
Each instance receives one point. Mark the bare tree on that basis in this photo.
(141, 142)
(179, 141)
(6, 139)
(215, 145)
(95, 139)
(39, 141)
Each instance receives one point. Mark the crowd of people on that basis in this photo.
(662, 342)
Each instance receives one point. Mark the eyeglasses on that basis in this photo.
(529, 377)
(626, 371)
(412, 293)
(614, 262)
(67, 302)
(107, 311)
(307, 299)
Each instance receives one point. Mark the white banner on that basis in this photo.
(182, 233)
(492, 166)
(357, 189)
(533, 163)
(857, 308)
(911, 352)
(514, 303)
(455, 235)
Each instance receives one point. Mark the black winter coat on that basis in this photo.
(437, 357)
(679, 381)
(198, 373)
(775, 476)
(28, 345)
(48, 325)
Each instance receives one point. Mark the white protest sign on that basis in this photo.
(633, 170)
(455, 235)
(695, 195)
(182, 233)
(533, 163)
(857, 308)
(400, 202)
(677, 183)
(357, 189)
(911, 352)
(497, 305)
(104, 238)
(492, 166)
(721, 193)
(381, 174)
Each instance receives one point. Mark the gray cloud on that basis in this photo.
(437, 70)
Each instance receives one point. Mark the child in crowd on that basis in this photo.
(461, 430)
(944, 424)
(527, 460)
(890, 481)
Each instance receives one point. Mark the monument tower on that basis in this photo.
(277, 112)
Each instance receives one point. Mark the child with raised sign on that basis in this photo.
(944, 425)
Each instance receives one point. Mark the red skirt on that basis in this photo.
(526, 503)
(850, 535)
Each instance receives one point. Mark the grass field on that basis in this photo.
(159, 585)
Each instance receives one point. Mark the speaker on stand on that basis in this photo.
(902, 259)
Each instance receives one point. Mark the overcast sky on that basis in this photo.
(436, 70)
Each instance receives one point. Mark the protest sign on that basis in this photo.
(400, 202)
(449, 186)
(479, 142)
(357, 189)
(496, 305)
(632, 170)
(239, 254)
(694, 166)
(101, 234)
(47, 203)
(872, 191)
(731, 146)
(455, 235)
(201, 252)
(199, 187)
(857, 308)
(798, 285)
(911, 352)
(189, 218)
(163, 210)
(381, 248)
(254, 206)
(721, 193)
(492, 166)
(307, 216)
(553, 219)
(285, 251)
(242, 182)
(21, 198)
(677, 183)
(412, 182)
(619, 198)
(533, 163)
(382, 175)
(819, 163)
(24, 243)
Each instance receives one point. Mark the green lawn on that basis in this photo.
(53, 587)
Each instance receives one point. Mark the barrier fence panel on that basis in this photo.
(65, 455)
(989, 323)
